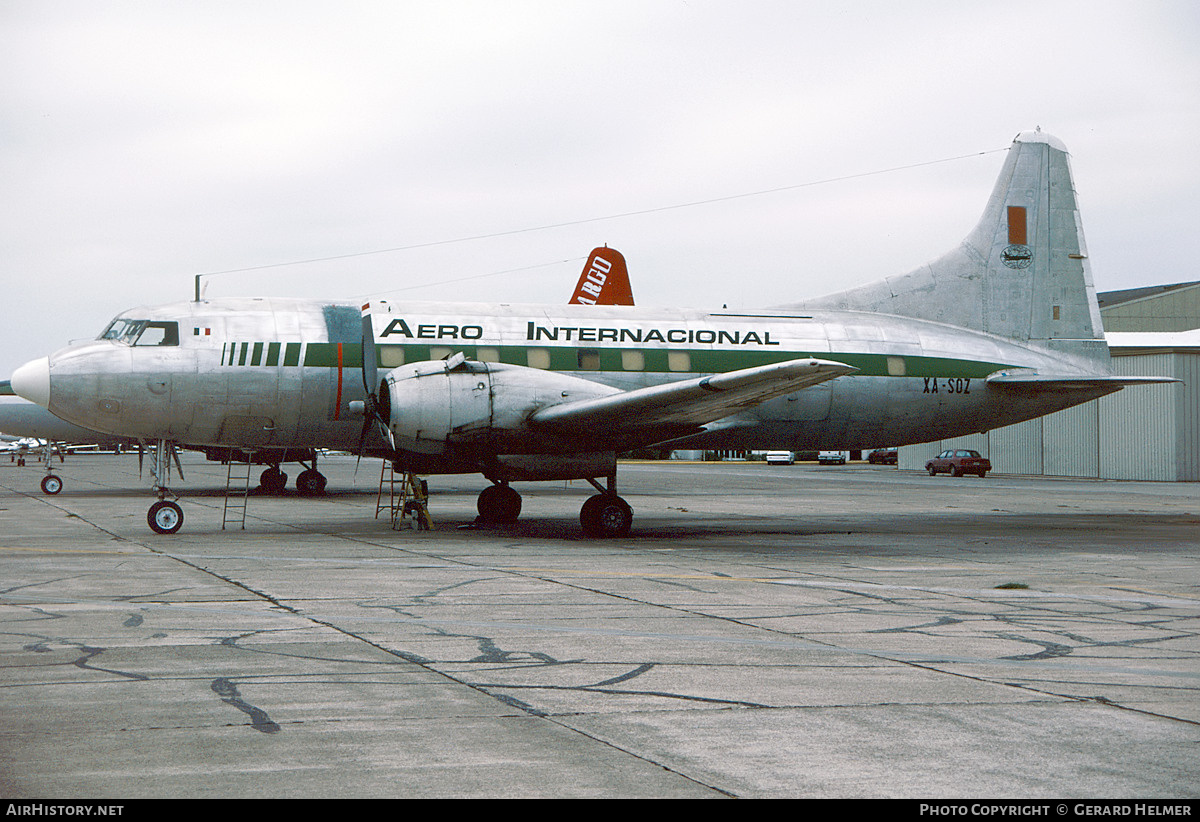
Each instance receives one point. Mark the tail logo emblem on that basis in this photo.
(1017, 256)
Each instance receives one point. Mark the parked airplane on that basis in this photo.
(1000, 330)
(603, 281)
(19, 447)
(32, 423)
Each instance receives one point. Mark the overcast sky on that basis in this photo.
(142, 143)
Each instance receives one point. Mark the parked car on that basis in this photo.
(780, 458)
(884, 456)
(833, 457)
(958, 461)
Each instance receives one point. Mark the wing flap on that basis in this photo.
(680, 407)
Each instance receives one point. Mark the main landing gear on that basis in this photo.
(605, 514)
(499, 504)
(602, 515)
(272, 481)
(310, 482)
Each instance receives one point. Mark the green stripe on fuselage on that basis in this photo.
(572, 358)
(656, 360)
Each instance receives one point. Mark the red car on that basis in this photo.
(959, 461)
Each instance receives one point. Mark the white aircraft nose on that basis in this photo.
(32, 381)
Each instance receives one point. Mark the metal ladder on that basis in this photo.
(236, 500)
(408, 502)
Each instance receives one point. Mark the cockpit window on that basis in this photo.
(123, 330)
(142, 332)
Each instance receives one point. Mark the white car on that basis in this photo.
(833, 457)
(780, 458)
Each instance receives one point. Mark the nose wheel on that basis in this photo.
(51, 484)
(165, 517)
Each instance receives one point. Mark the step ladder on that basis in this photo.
(237, 487)
(408, 501)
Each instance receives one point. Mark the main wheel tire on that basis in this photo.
(606, 515)
(499, 503)
(272, 481)
(311, 483)
(51, 484)
(165, 517)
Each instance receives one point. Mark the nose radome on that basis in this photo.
(32, 381)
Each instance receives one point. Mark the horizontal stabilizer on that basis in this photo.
(1033, 381)
(679, 406)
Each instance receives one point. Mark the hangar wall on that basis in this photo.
(1145, 432)
(1156, 308)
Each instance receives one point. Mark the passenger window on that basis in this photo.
(391, 356)
(679, 361)
(538, 357)
(589, 359)
(633, 360)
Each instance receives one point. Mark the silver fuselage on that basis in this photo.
(283, 373)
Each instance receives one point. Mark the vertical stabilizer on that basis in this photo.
(1022, 273)
(604, 281)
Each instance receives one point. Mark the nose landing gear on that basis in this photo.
(164, 516)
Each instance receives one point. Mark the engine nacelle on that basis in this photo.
(457, 405)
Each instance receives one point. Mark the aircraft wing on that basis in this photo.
(659, 412)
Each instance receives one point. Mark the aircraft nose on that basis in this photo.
(32, 381)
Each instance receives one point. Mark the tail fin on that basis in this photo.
(1022, 273)
(604, 281)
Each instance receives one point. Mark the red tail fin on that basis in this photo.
(604, 281)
